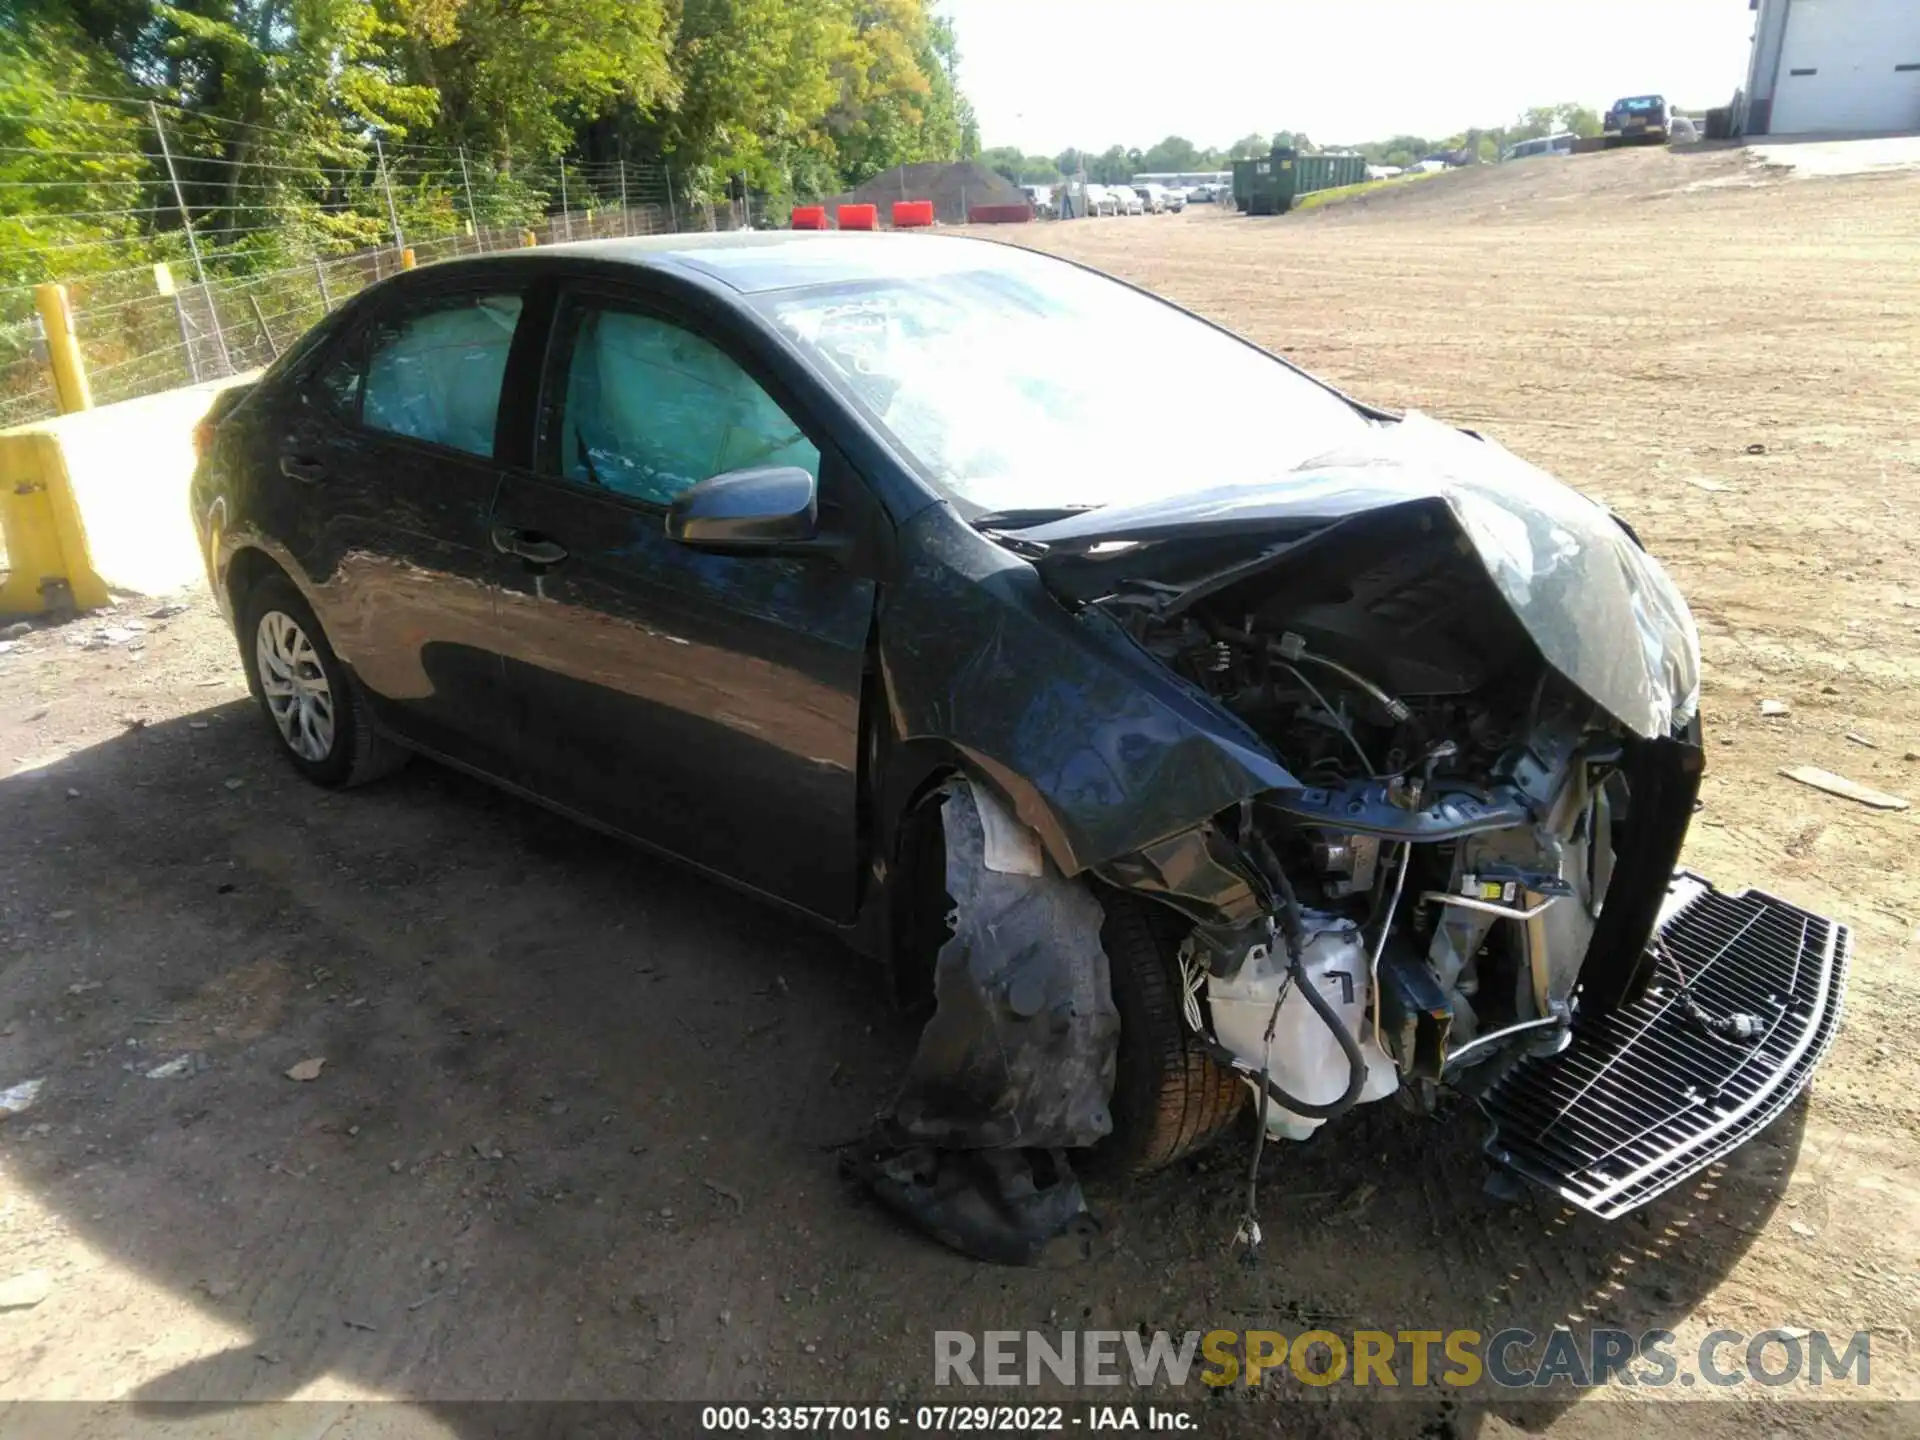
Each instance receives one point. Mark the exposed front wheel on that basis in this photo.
(1169, 1097)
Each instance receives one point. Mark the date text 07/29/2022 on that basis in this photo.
(947, 1419)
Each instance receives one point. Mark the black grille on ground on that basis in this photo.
(1641, 1099)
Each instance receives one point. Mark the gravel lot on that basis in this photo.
(574, 1136)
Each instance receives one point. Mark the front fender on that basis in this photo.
(1095, 745)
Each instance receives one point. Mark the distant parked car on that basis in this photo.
(1541, 145)
(1154, 199)
(1638, 120)
(1682, 131)
(1127, 201)
(1101, 200)
(1041, 198)
(1176, 199)
(1200, 195)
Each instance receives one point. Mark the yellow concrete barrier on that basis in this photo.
(98, 499)
(46, 544)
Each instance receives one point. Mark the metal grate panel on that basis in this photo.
(1641, 1099)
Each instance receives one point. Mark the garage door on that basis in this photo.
(1849, 65)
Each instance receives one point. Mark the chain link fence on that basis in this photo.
(136, 343)
(196, 292)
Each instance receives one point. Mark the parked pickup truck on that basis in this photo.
(1638, 120)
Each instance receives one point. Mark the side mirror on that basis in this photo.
(767, 509)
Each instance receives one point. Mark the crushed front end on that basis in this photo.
(1487, 696)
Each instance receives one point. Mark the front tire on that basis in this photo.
(1169, 1097)
(311, 704)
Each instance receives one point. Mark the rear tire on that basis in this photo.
(313, 707)
(1169, 1097)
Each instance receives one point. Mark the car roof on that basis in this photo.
(754, 261)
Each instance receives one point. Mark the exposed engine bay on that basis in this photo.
(1444, 864)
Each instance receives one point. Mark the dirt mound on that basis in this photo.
(1531, 190)
(951, 188)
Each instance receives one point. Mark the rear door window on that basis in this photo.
(433, 373)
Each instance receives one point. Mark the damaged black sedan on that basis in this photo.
(1348, 762)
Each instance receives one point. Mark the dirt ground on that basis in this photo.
(574, 1136)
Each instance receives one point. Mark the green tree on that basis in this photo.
(757, 79)
(942, 61)
(897, 101)
(1110, 167)
(298, 124)
(1399, 150)
(1579, 119)
(73, 180)
(1541, 120)
(1534, 122)
(1006, 160)
(265, 104)
(515, 78)
(1019, 168)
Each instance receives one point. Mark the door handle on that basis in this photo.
(298, 467)
(535, 551)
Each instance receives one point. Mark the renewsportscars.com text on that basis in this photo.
(1511, 1359)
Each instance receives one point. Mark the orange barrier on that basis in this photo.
(997, 214)
(909, 213)
(859, 217)
(809, 217)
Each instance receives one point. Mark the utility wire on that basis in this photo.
(90, 180)
(86, 214)
(203, 115)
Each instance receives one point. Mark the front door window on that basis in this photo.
(650, 409)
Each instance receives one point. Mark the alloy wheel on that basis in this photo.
(295, 685)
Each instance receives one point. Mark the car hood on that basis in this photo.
(1601, 610)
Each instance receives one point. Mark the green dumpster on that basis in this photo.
(1242, 183)
(1273, 183)
(1328, 172)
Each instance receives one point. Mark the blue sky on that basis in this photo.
(1046, 74)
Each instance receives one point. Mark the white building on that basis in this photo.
(1833, 66)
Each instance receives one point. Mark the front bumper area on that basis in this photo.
(1643, 1098)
